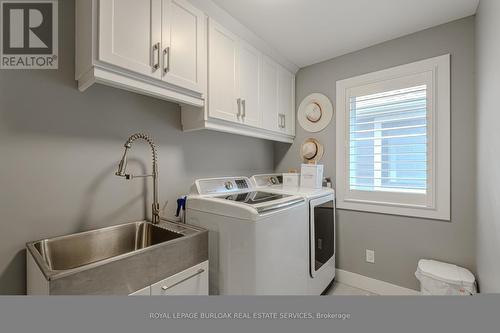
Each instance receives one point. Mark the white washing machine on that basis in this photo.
(258, 242)
(320, 220)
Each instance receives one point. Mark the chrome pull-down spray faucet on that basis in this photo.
(123, 166)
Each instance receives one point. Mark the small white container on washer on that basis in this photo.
(291, 179)
(311, 175)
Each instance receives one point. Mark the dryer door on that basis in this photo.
(322, 233)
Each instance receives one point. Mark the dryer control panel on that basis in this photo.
(268, 180)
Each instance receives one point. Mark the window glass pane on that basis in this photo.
(388, 141)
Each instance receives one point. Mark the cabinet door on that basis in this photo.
(130, 35)
(269, 94)
(192, 281)
(184, 45)
(223, 89)
(250, 69)
(286, 101)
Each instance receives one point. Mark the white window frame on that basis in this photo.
(435, 204)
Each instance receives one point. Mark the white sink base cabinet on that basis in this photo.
(191, 281)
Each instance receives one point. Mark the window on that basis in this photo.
(393, 140)
(388, 141)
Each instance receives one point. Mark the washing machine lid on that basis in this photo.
(253, 198)
(244, 205)
(263, 201)
(238, 197)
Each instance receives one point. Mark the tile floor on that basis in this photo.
(344, 289)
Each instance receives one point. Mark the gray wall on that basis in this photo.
(488, 145)
(400, 241)
(59, 149)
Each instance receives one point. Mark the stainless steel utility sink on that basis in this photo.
(72, 251)
(116, 260)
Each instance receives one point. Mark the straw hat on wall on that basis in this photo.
(311, 151)
(315, 112)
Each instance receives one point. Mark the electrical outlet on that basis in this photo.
(370, 256)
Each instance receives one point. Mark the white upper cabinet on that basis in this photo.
(269, 94)
(278, 98)
(184, 46)
(126, 23)
(250, 70)
(233, 77)
(152, 47)
(248, 92)
(170, 49)
(223, 65)
(286, 101)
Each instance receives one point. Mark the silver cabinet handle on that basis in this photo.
(244, 105)
(284, 120)
(166, 63)
(238, 101)
(156, 61)
(281, 123)
(201, 270)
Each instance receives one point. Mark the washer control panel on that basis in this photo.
(241, 183)
(222, 185)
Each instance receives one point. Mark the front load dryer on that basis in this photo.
(320, 220)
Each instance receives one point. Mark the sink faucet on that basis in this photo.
(123, 165)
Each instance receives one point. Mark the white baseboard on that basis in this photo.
(372, 285)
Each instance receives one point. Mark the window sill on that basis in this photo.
(395, 209)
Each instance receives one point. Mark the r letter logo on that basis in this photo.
(29, 34)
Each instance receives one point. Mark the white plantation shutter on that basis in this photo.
(388, 141)
(393, 140)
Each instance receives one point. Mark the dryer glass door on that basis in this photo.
(322, 232)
